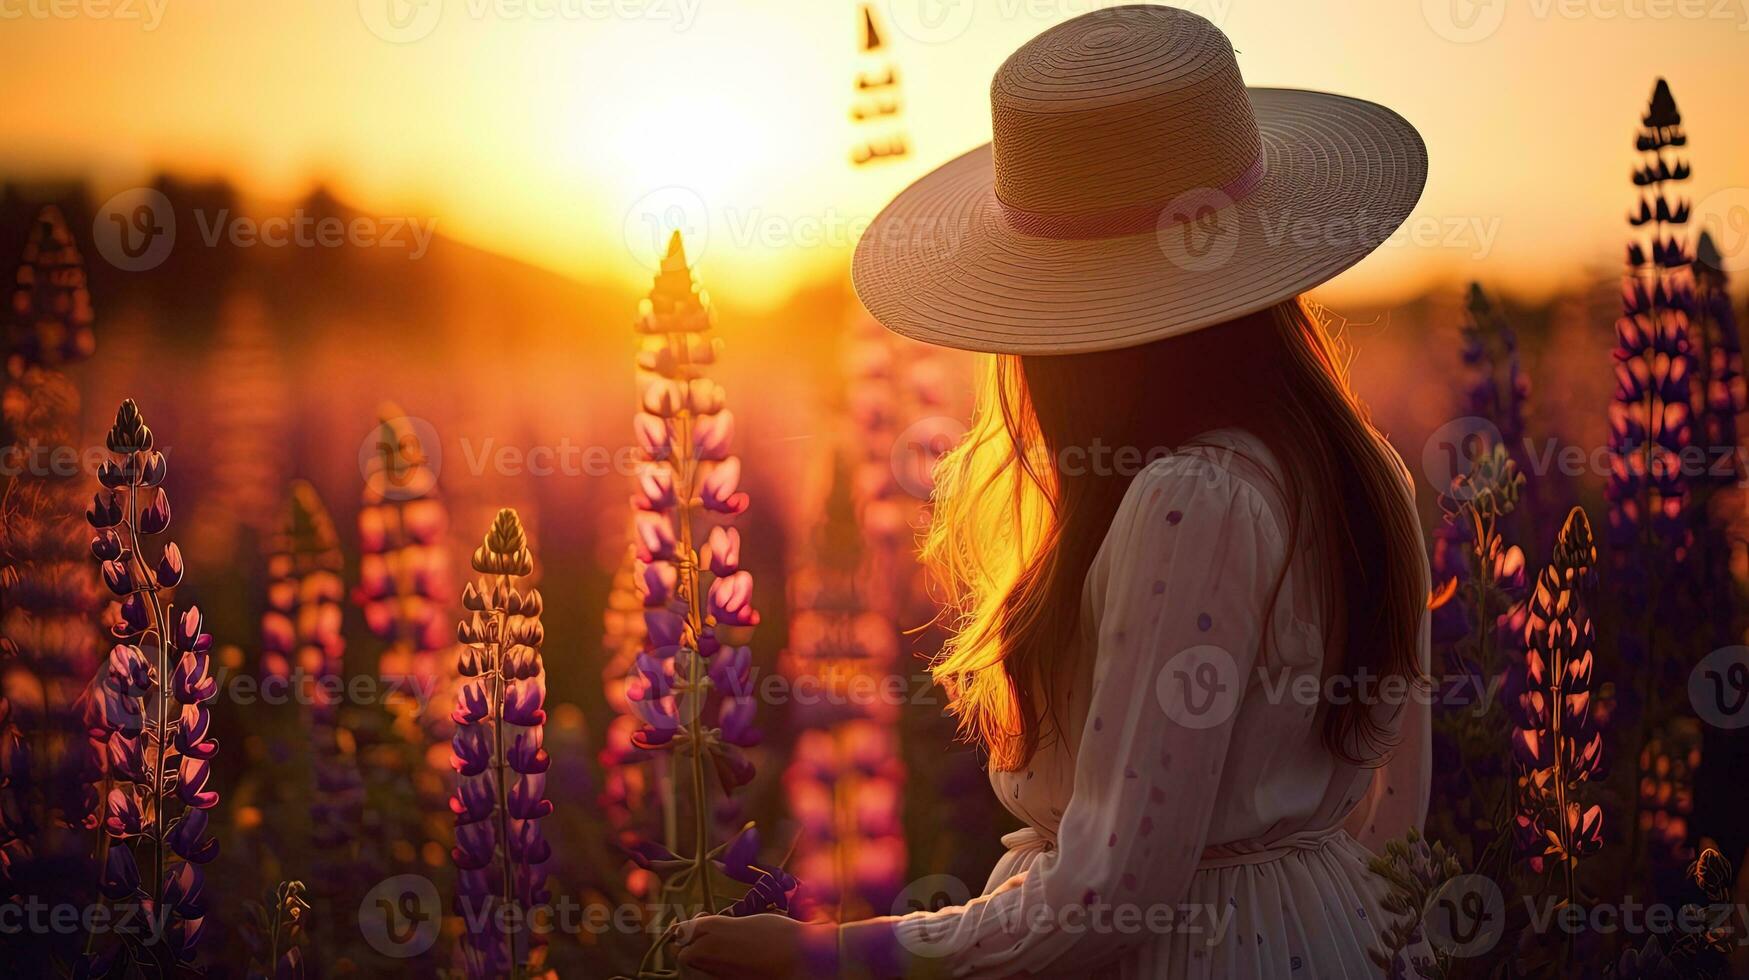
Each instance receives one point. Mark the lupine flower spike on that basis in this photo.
(1548, 698)
(152, 703)
(302, 643)
(406, 594)
(1497, 387)
(1479, 584)
(1413, 868)
(50, 321)
(50, 772)
(636, 798)
(845, 777)
(500, 760)
(1651, 423)
(691, 687)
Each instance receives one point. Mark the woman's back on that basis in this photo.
(1193, 793)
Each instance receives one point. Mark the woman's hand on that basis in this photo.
(766, 947)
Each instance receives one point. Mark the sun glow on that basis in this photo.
(542, 130)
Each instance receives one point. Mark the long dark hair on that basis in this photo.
(1054, 447)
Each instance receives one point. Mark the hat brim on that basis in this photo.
(942, 265)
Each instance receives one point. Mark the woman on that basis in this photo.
(1191, 590)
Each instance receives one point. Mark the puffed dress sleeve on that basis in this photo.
(1190, 568)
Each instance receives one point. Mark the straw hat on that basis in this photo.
(1135, 189)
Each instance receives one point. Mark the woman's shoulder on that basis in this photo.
(1229, 470)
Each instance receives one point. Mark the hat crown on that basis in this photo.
(1120, 108)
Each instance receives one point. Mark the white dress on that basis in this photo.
(1194, 824)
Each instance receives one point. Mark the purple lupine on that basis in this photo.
(1414, 869)
(1718, 361)
(1547, 695)
(1651, 424)
(1650, 416)
(844, 779)
(302, 643)
(153, 696)
(1496, 386)
(50, 319)
(690, 685)
(1713, 608)
(49, 596)
(634, 797)
(1718, 398)
(500, 760)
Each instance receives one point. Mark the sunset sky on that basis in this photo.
(548, 129)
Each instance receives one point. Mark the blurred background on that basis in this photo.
(303, 225)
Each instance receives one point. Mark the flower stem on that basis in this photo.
(148, 585)
(500, 765)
